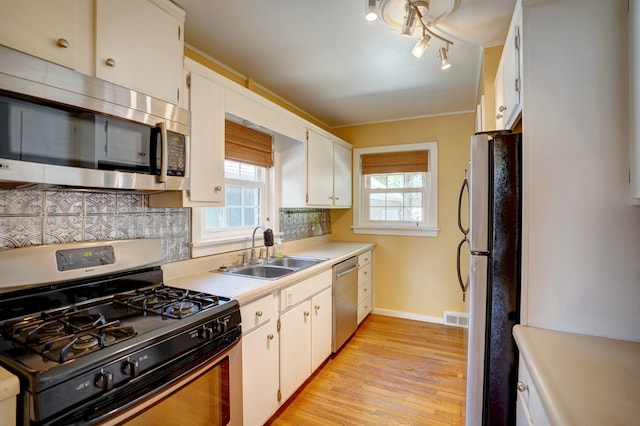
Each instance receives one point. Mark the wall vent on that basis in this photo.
(456, 319)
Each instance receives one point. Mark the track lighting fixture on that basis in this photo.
(371, 13)
(422, 45)
(444, 59)
(409, 21)
(415, 11)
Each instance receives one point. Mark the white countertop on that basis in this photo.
(246, 289)
(583, 380)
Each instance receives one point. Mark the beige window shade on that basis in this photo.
(247, 145)
(395, 162)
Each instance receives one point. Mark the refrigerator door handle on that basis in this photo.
(464, 285)
(465, 186)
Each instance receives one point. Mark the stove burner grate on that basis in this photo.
(167, 301)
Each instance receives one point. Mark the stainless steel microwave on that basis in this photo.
(61, 127)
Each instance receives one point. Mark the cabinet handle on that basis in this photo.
(306, 313)
(62, 42)
(502, 108)
(270, 336)
(317, 307)
(110, 62)
(336, 198)
(498, 116)
(522, 387)
(258, 314)
(217, 188)
(365, 289)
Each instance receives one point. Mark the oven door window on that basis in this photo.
(203, 401)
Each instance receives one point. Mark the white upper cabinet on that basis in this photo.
(139, 45)
(342, 171)
(206, 156)
(42, 28)
(508, 80)
(135, 44)
(319, 170)
(321, 178)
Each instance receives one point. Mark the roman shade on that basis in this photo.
(395, 162)
(247, 145)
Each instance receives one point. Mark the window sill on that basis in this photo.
(408, 231)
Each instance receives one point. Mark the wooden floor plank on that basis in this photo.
(393, 371)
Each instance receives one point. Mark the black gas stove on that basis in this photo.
(88, 347)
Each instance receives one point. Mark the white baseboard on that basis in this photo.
(408, 315)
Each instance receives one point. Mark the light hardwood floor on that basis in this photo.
(392, 372)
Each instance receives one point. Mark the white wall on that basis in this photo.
(581, 248)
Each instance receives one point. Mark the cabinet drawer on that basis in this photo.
(295, 294)
(365, 258)
(363, 310)
(257, 313)
(364, 291)
(364, 273)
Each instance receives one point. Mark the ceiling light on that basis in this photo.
(444, 60)
(422, 45)
(406, 15)
(371, 13)
(409, 20)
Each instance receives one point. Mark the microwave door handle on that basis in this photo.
(163, 152)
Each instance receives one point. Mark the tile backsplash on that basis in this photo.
(33, 217)
(301, 223)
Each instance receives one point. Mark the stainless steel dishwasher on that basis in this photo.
(345, 301)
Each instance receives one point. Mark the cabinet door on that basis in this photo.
(321, 326)
(41, 28)
(295, 348)
(319, 170)
(260, 373)
(342, 176)
(141, 49)
(511, 76)
(207, 141)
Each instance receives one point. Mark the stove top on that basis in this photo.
(77, 344)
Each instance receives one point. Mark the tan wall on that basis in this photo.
(417, 275)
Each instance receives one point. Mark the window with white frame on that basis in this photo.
(248, 176)
(396, 190)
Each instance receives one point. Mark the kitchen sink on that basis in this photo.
(296, 262)
(273, 269)
(263, 271)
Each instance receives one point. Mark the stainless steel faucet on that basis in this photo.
(253, 259)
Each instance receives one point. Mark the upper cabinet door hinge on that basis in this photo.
(179, 33)
(517, 39)
(278, 324)
(517, 84)
(189, 81)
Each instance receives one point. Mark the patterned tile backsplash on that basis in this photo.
(297, 224)
(33, 217)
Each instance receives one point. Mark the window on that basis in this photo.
(396, 190)
(247, 173)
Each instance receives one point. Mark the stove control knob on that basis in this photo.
(222, 326)
(206, 333)
(131, 368)
(105, 380)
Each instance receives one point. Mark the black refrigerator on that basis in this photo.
(493, 193)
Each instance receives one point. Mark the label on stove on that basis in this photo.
(81, 258)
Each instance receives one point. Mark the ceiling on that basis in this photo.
(324, 58)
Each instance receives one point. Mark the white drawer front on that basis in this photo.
(257, 313)
(295, 294)
(365, 258)
(364, 274)
(364, 292)
(363, 310)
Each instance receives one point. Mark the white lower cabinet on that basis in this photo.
(260, 367)
(530, 411)
(365, 285)
(305, 330)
